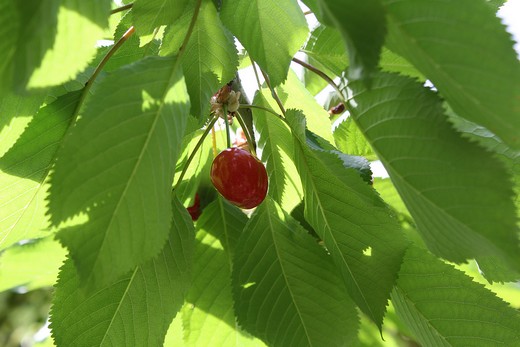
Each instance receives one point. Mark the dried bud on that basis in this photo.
(233, 103)
(223, 94)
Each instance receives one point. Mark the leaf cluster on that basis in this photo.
(103, 147)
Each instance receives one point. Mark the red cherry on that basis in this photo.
(194, 210)
(239, 177)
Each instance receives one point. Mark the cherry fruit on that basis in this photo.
(194, 210)
(239, 177)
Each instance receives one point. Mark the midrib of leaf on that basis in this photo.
(460, 89)
(119, 305)
(331, 235)
(287, 281)
(136, 166)
(432, 328)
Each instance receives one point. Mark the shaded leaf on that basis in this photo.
(16, 112)
(283, 278)
(117, 165)
(150, 14)
(209, 318)
(134, 311)
(462, 47)
(444, 307)
(80, 25)
(363, 27)
(271, 31)
(356, 226)
(458, 194)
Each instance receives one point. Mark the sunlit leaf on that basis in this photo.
(272, 32)
(210, 59)
(32, 265)
(25, 169)
(149, 14)
(277, 147)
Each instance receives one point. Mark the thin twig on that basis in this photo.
(264, 109)
(195, 150)
(273, 92)
(100, 66)
(322, 75)
(122, 8)
(249, 137)
(256, 73)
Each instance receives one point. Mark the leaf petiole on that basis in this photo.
(195, 150)
(249, 137)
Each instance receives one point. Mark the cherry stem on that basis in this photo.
(256, 73)
(226, 121)
(195, 150)
(249, 137)
(323, 75)
(214, 142)
(273, 92)
(264, 109)
(122, 8)
(100, 66)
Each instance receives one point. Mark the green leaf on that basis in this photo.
(17, 111)
(130, 52)
(293, 94)
(209, 318)
(272, 32)
(350, 140)
(356, 226)
(327, 47)
(444, 307)
(283, 278)
(277, 147)
(9, 27)
(79, 25)
(210, 59)
(117, 165)
(198, 168)
(28, 31)
(363, 27)
(32, 265)
(393, 62)
(459, 195)
(462, 47)
(134, 311)
(25, 169)
(150, 14)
